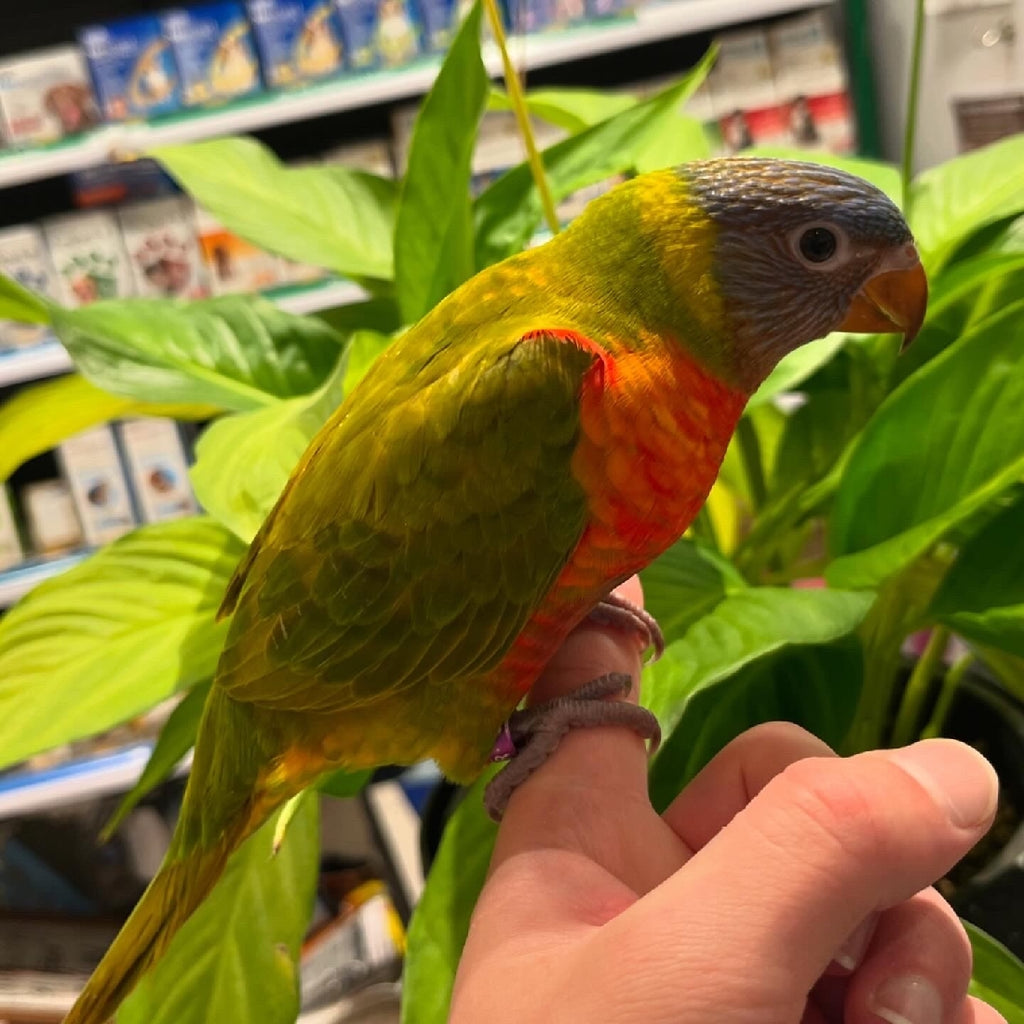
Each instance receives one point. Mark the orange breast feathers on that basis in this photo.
(654, 429)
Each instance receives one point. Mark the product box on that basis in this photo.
(373, 155)
(45, 96)
(92, 467)
(743, 92)
(214, 51)
(132, 68)
(127, 181)
(233, 264)
(378, 33)
(163, 249)
(440, 20)
(538, 15)
(298, 40)
(23, 257)
(50, 516)
(609, 8)
(88, 257)
(157, 468)
(10, 542)
(810, 78)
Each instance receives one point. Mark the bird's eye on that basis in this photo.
(818, 245)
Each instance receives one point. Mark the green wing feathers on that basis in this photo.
(419, 534)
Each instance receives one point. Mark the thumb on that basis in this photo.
(827, 842)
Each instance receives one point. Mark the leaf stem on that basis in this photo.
(916, 692)
(950, 685)
(515, 95)
(704, 528)
(750, 454)
(913, 97)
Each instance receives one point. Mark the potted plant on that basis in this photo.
(892, 477)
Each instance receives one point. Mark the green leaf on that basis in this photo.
(236, 958)
(684, 584)
(950, 202)
(440, 921)
(982, 595)
(40, 416)
(816, 687)
(243, 461)
(363, 349)
(344, 784)
(135, 622)
(797, 366)
(571, 109)
(998, 976)
(947, 441)
(434, 233)
(330, 216)
(745, 626)
(234, 352)
(18, 303)
(379, 313)
(883, 176)
(508, 213)
(176, 739)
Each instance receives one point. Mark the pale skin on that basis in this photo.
(777, 861)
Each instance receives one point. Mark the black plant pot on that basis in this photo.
(988, 887)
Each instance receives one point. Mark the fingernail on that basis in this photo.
(908, 1000)
(853, 949)
(958, 778)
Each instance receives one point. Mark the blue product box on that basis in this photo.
(214, 50)
(609, 8)
(538, 15)
(298, 40)
(132, 68)
(378, 33)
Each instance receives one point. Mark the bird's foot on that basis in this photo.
(530, 736)
(623, 615)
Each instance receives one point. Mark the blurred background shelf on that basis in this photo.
(43, 360)
(17, 582)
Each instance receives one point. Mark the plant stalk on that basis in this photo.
(950, 685)
(515, 95)
(916, 692)
(750, 454)
(913, 98)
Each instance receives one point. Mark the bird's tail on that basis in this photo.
(221, 808)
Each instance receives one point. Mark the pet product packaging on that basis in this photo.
(214, 51)
(92, 468)
(163, 249)
(10, 543)
(88, 257)
(298, 40)
(24, 258)
(378, 33)
(45, 96)
(50, 517)
(233, 264)
(132, 68)
(157, 469)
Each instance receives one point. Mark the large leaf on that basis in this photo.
(135, 623)
(243, 461)
(234, 352)
(39, 417)
(684, 584)
(982, 595)
(797, 366)
(571, 109)
(434, 234)
(748, 624)
(816, 687)
(236, 958)
(329, 216)
(508, 213)
(18, 303)
(948, 440)
(176, 739)
(440, 922)
(997, 976)
(950, 202)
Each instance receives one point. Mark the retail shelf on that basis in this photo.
(27, 791)
(17, 582)
(652, 22)
(322, 295)
(43, 360)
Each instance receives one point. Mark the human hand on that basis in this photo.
(784, 885)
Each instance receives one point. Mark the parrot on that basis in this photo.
(542, 434)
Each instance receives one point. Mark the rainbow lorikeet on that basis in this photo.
(542, 434)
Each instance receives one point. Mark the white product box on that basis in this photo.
(233, 264)
(157, 468)
(87, 253)
(24, 258)
(50, 516)
(91, 464)
(10, 543)
(45, 96)
(161, 238)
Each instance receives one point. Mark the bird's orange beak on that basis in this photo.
(894, 299)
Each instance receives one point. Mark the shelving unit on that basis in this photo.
(17, 582)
